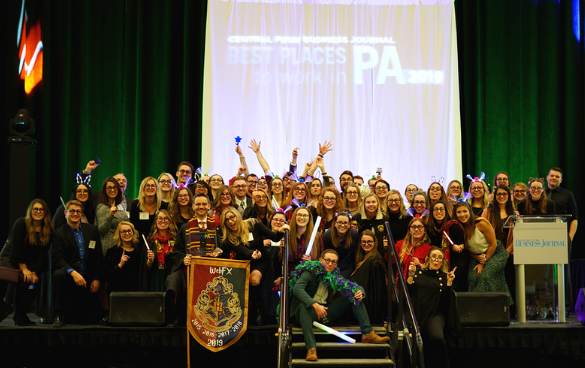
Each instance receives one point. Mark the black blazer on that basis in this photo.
(65, 254)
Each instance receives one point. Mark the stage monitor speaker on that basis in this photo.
(580, 306)
(137, 308)
(483, 308)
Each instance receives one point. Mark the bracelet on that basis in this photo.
(324, 173)
(320, 155)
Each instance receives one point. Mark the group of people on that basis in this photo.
(95, 243)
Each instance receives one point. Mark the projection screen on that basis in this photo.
(378, 79)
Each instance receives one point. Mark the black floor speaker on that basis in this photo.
(137, 309)
(580, 306)
(483, 309)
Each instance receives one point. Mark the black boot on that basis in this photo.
(23, 298)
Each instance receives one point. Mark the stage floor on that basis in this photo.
(532, 344)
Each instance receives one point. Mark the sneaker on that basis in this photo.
(373, 338)
(312, 355)
(59, 322)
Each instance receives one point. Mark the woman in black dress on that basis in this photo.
(397, 216)
(30, 238)
(372, 218)
(127, 264)
(431, 292)
(370, 273)
(344, 240)
(144, 208)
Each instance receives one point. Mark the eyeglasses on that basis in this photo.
(352, 193)
(367, 242)
(502, 194)
(419, 202)
(162, 219)
(75, 212)
(277, 185)
(125, 232)
(150, 186)
(299, 190)
(503, 179)
(329, 261)
(183, 172)
(329, 199)
(519, 191)
(230, 219)
(164, 181)
(394, 201)
(260, 198)
(225, 195)
(434, 189)
(301, 215)
(476, 189)
(252, 182)
(381, 189)
(437, 210)
(183, 196)
(411, 190)
(535, 189)
(438, 259)
(342, 223)
(281, 221)
(111, 189)
(417, 227)
(82, 191)
(38, 210)
(455, 187)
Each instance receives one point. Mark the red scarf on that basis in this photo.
(164, 246)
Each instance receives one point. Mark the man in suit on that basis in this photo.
(240, 188)
(195, 237)
(77, 263)
(311, 303)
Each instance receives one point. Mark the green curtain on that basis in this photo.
(521, 89)
(123, 83)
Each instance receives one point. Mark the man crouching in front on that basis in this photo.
(313, 282)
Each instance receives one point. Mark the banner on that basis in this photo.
(218, 301)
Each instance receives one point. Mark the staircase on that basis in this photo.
(334, 352)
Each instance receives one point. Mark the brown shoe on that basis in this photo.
(373, 338)
(311, 355)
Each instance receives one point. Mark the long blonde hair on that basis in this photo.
(379, 213)
(142, 195)
(242, 233)
(46, 225)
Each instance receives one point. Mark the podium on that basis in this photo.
(540, 240)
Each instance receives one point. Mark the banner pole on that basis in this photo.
(189, 286)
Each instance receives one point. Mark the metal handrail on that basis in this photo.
(402, 296)
(283, 332)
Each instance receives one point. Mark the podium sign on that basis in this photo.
(540, 243)
(540, 240)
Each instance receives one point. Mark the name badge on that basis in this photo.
(144, 215)
(275, 244)
(251, 237)
(92, 244)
